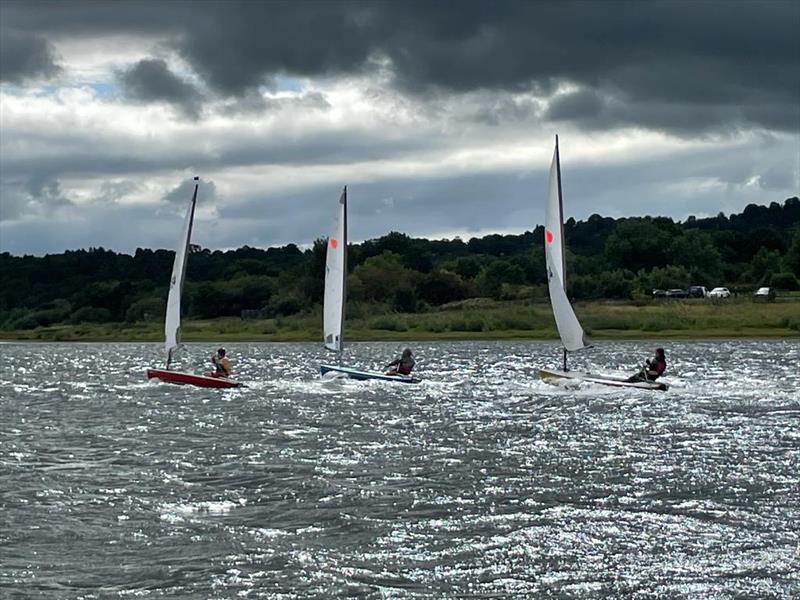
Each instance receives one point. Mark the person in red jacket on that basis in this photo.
(402, 365)
(653, 369)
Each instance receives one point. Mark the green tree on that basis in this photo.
(640, 243)
(662, 278)
(205, 300)
(785, 281)
(764, 265)
(492, 277)
(441, 287)
(380, 275)
(284, 304)
(695, 251)
(467, 267)
(404, 299)
(150, 308)
(792, 258)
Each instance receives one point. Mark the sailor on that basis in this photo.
(222, 364)
(653, 369)
(402, 365)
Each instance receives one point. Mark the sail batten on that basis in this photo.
(172, 322)
(336, 279)
(569, 328)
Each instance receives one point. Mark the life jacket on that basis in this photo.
(405, 366)
(223, 366)
(659, 365)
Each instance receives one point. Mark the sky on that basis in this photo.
(439, 116)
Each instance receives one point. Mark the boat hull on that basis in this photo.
(366, 375)
(208, 380)
(550, 376)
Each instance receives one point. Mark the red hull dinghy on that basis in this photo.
(208, 380)
(172, 321)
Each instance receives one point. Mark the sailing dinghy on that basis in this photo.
(172, 322)
(334, 302)
(573, 337)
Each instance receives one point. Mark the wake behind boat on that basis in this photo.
(365, 375)
(573, 337)
(553, 376)
(172, 321)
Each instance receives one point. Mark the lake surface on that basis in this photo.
(480, 482)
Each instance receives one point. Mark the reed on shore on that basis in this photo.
(478, 318)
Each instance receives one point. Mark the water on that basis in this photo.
(481, 482)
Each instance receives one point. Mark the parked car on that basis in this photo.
(697, 291)
(719, 292)
(764, 293)
(659, 293)
(676, 293)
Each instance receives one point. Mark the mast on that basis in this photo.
(172, 320)
(344, 271)
(561, 225)
(569, 328)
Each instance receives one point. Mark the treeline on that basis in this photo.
(606, 258)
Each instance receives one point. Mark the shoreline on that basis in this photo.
(475, 319)
(413, 336)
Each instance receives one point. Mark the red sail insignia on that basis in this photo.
(548, 235)
(334, 242)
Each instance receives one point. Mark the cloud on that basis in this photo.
(704, 57)
(14, 204)
(184, 191)
(580, 105)
(254, 102)
(40, 195)
(80, 134)
(46, 190)
(113, 191)
(24, 56)
(150, 80)
(447, 108)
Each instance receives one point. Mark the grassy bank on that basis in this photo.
(471, 319)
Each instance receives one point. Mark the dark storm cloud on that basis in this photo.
(78, 156)
(421, 207)
(594, 111)
(46, 191)
(182, 194)
(150, 80)
(580, 105)
(722, 56)
(25, 56)
(40, 194)
(15, 202)
(120, 228)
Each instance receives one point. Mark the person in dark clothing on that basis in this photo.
(402, 365)
(653, 369)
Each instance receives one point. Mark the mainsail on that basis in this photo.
(172, 323)
(335, 279)
(569, 328)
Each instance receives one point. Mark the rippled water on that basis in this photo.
(481, 482)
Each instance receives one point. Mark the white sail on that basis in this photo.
(172, 323)
(569, 328)
(335, 278)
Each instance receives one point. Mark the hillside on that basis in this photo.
(608, 259)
